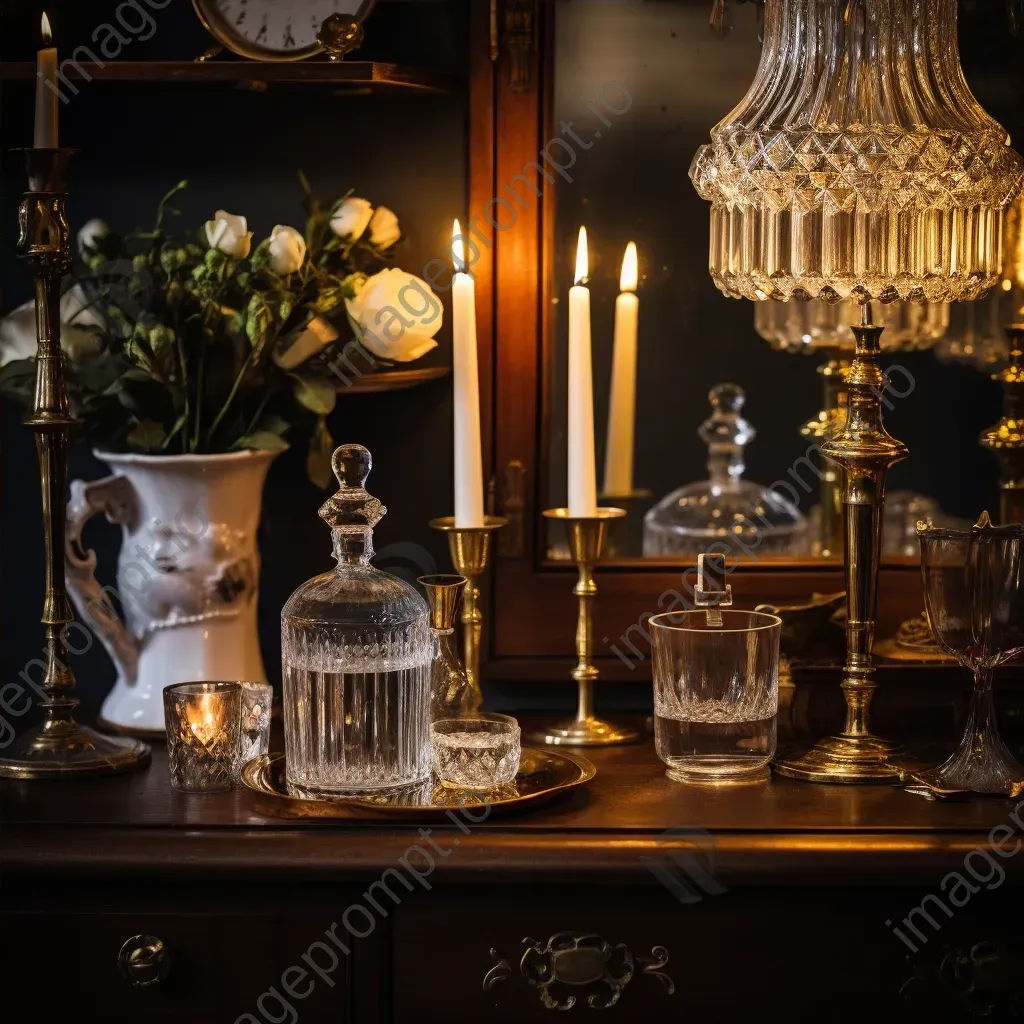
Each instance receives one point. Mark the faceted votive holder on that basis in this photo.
(203, 722)
(478, 752)
(257, 705)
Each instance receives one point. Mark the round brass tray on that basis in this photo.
(543, 775)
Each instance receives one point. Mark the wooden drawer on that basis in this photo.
(792, 952)
(218, 967)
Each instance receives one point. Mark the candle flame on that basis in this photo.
(458, 248)
(582, 262)
(630, 274)
(47, 34)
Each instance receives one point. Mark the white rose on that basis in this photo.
(351, 218)
(228, 232)
(18, 328)
(287, 249)
(304, 344)
(395, 315)
(384, 229)
(91, 233)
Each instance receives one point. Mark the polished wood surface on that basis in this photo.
(778, 829)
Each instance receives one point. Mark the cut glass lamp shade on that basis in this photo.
(977, 330)
(820, 326)
(859, 164)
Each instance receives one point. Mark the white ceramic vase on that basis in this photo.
(188, 574)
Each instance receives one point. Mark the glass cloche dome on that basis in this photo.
(725, 507)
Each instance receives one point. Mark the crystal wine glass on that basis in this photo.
(975, 603)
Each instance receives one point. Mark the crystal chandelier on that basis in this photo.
(859, 164)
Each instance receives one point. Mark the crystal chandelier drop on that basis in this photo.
(859, 165)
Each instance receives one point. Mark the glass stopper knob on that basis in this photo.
(725, 425)
(352, 505)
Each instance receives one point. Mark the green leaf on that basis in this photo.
(272, 423)
(318, 459)
(146, 435)
(315, 394)
(263, 440)
(258, 319)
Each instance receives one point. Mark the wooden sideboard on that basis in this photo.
(713, 905)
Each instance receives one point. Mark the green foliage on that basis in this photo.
(190, 335)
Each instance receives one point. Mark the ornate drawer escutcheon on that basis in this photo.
(144, 961)
(569, 966)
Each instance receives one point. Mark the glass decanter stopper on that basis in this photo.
(451, 695)
(356, 655)
(725, 508)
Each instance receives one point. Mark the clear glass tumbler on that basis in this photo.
(716, 694)
(257, 706)
(203, 725)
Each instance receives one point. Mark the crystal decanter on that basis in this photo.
(356, 653)
(725, 509)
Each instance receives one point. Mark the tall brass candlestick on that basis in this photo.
(865, 451)
(470, 548)
(586, 543)
(57, 747)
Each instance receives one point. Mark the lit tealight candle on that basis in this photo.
(618, 456)
(45, 134)
(469, 475)
(582, 466)
(202, 721)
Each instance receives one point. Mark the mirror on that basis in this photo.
(637, 87)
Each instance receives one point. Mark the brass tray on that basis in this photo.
(543, 776)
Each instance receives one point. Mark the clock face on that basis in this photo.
(273, 29)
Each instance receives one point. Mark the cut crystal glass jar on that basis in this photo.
(859, 164)
(356, 655)
(725, 508)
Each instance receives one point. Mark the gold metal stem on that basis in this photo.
(830, 419)
(470, 548)
(586, 543)
(57, 747)
(1006, 438)
(865, 451)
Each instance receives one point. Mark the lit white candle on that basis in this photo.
(469, 474)
(45, 134)
(582, 461)
(618, 456)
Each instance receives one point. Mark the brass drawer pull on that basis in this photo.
(144, 961)
(588, 964)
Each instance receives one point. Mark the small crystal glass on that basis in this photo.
(203, 725)
(716, 694)
(478, 752)
(257, 704)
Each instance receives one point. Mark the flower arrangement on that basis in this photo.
(214, 344)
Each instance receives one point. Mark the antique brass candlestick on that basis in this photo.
(1006, 438)
(58, 746)
(586, 542)
(470, 548)
(865, 452)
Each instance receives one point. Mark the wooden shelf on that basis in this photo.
(393, 380)
(361, 75)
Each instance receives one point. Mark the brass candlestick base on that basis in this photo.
(470, 548)
(58, 747)
(865, 452)
(586, 542)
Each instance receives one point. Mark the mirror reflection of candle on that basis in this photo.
(202, 720)
(618, 458)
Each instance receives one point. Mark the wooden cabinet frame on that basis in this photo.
(530, 613)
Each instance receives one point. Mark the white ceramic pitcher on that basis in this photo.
(188, 574)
